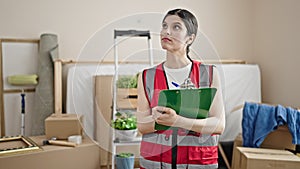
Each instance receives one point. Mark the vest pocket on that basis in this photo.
(203, 155)
(194, 155)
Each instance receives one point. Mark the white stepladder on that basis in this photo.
(128, 34)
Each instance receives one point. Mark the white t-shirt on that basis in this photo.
(177, 75)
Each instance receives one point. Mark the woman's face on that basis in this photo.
(174, 34)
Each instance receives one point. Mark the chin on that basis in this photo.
(165, 46)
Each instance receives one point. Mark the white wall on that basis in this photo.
(226, 23)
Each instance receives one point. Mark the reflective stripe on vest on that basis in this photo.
(147, 164)
(193, 149)
(182, 139)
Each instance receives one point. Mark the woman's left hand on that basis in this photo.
(164, 115)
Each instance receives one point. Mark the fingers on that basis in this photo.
(164, 115)
(163, 110)
(159, 111)
(155, 116)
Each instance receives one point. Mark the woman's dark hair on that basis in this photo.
(189, 21)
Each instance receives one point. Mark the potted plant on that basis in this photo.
(125, 126)
(125, 161)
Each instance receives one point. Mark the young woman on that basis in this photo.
(194, 142)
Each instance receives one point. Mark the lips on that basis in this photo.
(165, 39)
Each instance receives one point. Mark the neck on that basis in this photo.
(176, 61)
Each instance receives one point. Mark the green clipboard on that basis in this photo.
(190, 103)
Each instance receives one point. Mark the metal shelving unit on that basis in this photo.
(129, 34)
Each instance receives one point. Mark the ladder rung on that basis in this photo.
(135, 33)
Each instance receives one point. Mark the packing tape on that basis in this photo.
(75, 139)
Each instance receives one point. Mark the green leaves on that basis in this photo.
(125, 155)
(124, 121)
(127, 82)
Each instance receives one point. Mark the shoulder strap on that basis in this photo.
(148, 81)
(206, 75)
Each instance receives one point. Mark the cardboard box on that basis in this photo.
(280, 139)
(256, 158)
(83, 156)
(127, 98)
(62, 126)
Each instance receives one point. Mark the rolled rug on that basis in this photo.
(44, 96)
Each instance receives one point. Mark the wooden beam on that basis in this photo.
(57, 87)
(2, 122)
(7, 91)
(21, 40)
(70, 61)
(224, 156)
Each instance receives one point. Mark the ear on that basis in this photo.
(190, 39)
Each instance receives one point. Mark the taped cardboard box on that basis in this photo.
(255, 158)
(61, 126)
(83, 156)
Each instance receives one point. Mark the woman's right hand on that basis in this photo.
(164, 115)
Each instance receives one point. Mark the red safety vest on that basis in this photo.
(177, 148)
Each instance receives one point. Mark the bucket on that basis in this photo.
(125, 161)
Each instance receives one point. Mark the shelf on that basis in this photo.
(135, 141)
(125, 98)
(126, 109)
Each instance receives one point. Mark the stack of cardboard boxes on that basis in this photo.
(273, 152)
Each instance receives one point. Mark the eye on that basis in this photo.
(164, 26)
(177, 27)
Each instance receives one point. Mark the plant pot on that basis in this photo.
(126, 135)
(125, 162)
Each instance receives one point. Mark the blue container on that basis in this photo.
(125, 162)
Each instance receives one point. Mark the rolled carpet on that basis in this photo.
(44, 96)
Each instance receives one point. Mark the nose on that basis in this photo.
(165, 31)
(168, 32)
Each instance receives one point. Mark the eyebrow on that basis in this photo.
(178, 23)
(174, 22)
